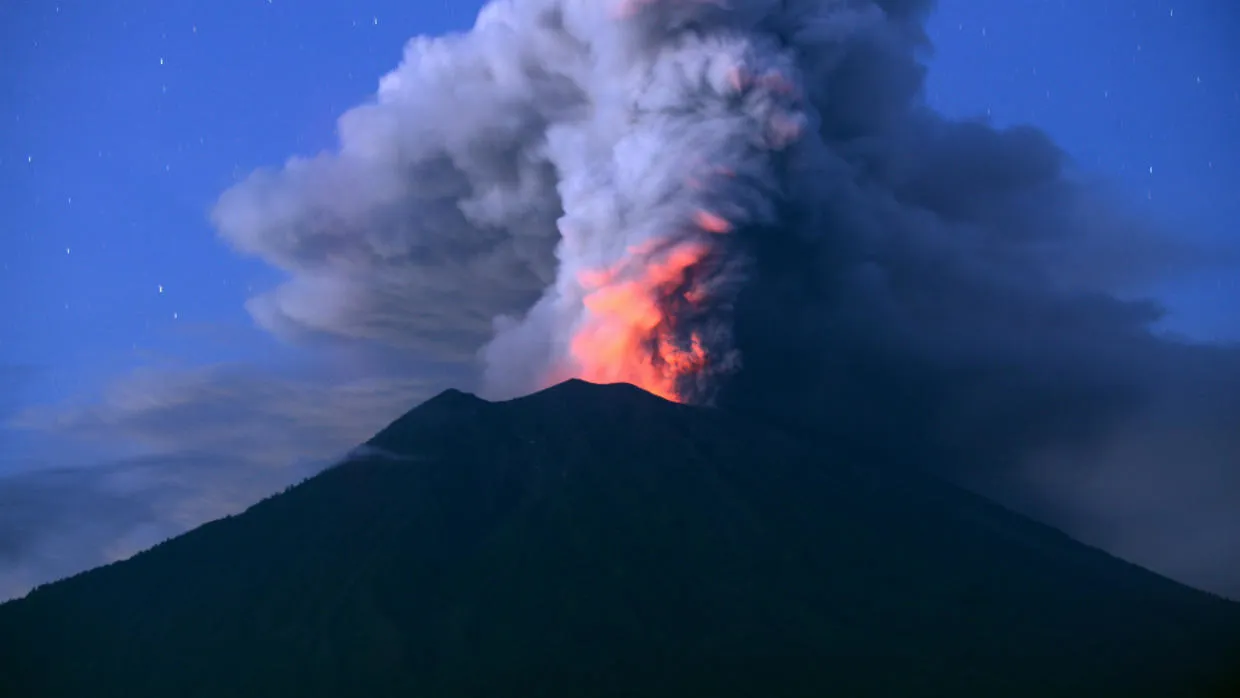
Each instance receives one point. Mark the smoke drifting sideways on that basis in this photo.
(748, 202)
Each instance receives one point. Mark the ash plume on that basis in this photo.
(911, 289)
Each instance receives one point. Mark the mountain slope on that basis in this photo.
(596, 540)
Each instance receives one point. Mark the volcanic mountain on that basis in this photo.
(596, 540)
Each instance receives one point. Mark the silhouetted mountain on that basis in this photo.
(598, 541)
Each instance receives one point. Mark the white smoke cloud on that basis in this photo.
(496, 166)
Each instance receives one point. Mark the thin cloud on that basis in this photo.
(210, 442)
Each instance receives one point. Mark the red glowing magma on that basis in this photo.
(628, 335)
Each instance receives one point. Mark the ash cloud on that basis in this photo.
(914, 290)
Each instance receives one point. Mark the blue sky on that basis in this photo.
(1145, 93)
(124, 122)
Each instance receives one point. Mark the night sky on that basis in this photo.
(140, 398)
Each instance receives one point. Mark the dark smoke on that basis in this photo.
(913, 290)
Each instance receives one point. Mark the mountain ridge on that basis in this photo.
(658, 546)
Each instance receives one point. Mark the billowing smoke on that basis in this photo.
(749, 202)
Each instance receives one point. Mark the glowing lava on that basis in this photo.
(630, 335)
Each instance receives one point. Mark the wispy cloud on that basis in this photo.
(206, 442)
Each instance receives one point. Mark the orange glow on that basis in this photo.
(629, 8)
(776, 82)
(628, 336)
(712, 222)
(738, 78)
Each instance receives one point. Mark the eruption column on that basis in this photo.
(628, 335)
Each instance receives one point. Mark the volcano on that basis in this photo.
(597, 540)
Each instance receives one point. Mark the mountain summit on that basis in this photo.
(595, 540)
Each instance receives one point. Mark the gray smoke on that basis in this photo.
(914, 290)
